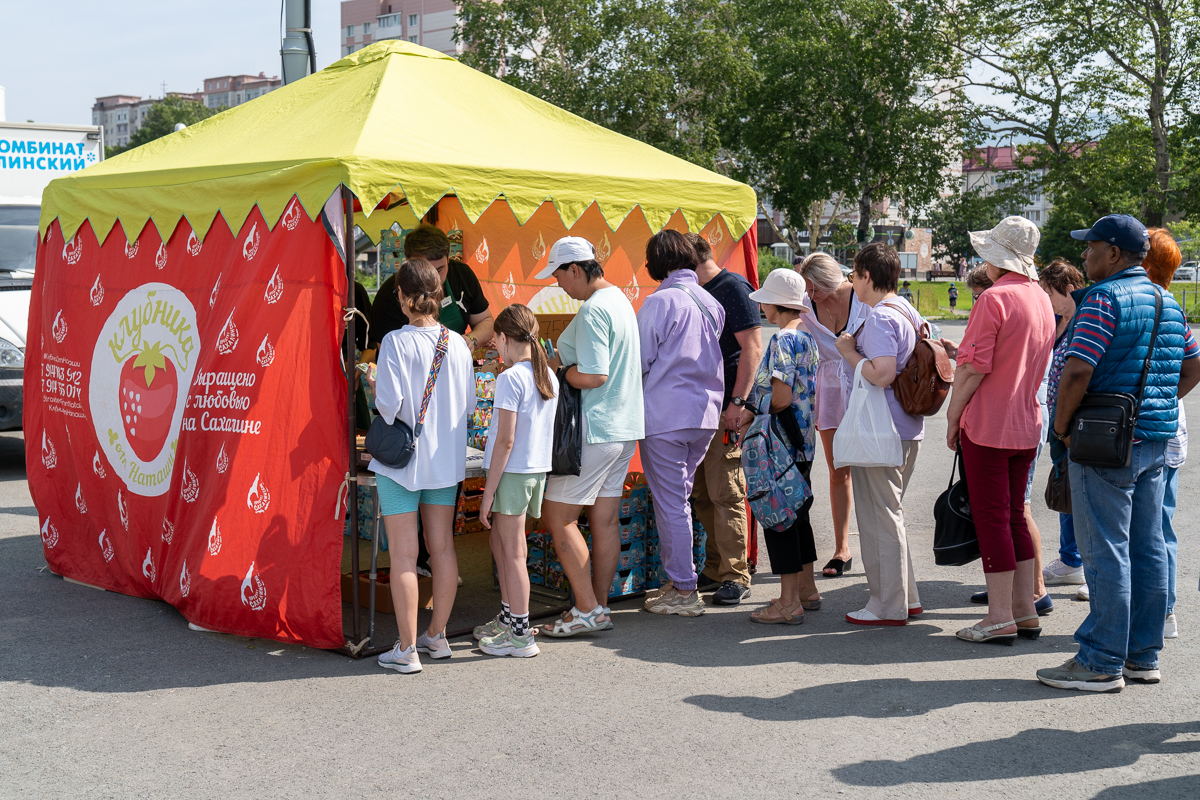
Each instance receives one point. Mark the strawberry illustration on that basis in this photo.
(149, 385)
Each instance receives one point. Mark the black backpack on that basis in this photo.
(954, 540)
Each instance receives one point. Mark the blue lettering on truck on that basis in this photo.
(9, 147)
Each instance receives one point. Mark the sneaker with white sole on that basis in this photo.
(435, 646)
(489, 629)
(1082, 593)
(1141, 674)
(401, 660)
(1073, 675)
(1056, 573)
(676, 602)
(1170, 628)
(508, 643)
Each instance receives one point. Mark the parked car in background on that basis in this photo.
(1186, 271)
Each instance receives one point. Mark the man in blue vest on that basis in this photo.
(1118, 511)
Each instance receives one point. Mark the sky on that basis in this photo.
(57, 57)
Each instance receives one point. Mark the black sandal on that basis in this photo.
(838, 566)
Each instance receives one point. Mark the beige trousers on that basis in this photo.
(882, 540)
(719, 499)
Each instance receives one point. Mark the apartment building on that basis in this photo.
(429, 23)
(122, 114)
(228, 91)
(987, 171)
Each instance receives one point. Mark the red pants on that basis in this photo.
(996, 480)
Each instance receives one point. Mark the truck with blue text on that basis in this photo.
(31, 155)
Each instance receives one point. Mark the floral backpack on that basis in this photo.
(775, 487)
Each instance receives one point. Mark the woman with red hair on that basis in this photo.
(1160, 265)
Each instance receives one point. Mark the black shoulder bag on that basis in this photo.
(955, 542)
(395, 444)
(1103, 425)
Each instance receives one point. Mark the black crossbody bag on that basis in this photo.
(1103, 425)
(394, 444)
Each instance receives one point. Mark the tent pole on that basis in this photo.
(352, 502)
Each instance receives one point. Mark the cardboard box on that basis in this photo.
(383, 591)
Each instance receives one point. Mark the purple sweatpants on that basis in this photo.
(670, 461)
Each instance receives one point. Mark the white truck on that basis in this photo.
(31, 155)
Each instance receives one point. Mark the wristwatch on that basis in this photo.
(740, 402)
(1062, 437)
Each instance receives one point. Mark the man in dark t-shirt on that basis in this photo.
(719, 493)
(463, 306)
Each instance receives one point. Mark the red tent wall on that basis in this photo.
(184, 406)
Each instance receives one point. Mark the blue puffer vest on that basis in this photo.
(1120, 368)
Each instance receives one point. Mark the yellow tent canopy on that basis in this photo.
(393, 118)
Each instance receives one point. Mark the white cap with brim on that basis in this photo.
(567, 250)
(1009, 246)
(783, 287)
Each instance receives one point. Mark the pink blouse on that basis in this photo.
(1008, 338)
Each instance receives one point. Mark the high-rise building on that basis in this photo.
(122, 114)
(430, 23)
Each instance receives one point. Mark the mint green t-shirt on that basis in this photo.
(603, 340)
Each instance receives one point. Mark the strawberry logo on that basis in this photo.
(148, 570)
(160, 259)
(79, 502)
(193, 244)
(253, 590)
(97, 293)
(106, 545)
(131, 249)
(185, 580)
(49, 457)
(149, 385)
(168, 531)
(49, 534)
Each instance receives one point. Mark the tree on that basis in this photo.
(659, 71)
(955, 215)
(846, 99)
(1065, 68)
(161, 120)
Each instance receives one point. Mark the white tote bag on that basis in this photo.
(867, 436)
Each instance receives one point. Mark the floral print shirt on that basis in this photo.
(791, 357)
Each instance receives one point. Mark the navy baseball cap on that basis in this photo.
(1121, 230)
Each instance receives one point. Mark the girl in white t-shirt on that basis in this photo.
(517, 458)
(428, 484)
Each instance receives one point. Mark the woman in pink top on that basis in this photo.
(995, 418)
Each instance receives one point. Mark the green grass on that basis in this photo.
(932, 299)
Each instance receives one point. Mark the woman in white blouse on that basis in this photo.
(428, 484)
(835, 310)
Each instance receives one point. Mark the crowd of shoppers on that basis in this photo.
(687, 378)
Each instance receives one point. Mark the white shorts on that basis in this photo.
(602, 474)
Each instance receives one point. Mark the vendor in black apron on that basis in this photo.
(464, 306)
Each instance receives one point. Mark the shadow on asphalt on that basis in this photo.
(1183, 786)
(1043, 752)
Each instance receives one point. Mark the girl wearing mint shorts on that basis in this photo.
(408, 388)
(517, 458)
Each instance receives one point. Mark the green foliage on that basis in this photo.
(1187, 236)
(659, 71)
(954, 216)
(769, 262)
(842, 101)
(161, 120)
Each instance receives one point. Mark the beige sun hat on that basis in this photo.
(1010, 245)
(783, 287)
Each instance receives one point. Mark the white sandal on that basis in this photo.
(978, 634)
(580, 623)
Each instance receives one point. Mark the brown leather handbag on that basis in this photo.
(922, 386)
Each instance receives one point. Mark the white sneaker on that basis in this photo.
(1170, 628)
(435, 646)
(405, 661)
(1082, 592)
(1056, 573)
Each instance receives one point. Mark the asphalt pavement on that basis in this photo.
(103, 695)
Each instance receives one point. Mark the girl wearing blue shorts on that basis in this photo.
(517, 459)
(428, 484)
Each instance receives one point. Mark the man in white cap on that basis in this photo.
(602, 348)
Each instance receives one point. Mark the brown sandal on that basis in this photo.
(786, 616)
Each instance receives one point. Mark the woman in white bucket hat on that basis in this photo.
(785, 386)
(995, 418)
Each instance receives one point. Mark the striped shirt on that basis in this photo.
(1095, 324)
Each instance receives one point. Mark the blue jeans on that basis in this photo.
(1118, 527)
(1068, 551)
(1170, 493)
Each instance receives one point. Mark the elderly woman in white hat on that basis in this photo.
(995, 419)
(785, 386)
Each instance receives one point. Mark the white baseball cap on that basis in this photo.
(567, 250)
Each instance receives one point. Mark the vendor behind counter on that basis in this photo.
(464, 305)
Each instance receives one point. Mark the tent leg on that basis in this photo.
(352, 423)
(375, 526)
